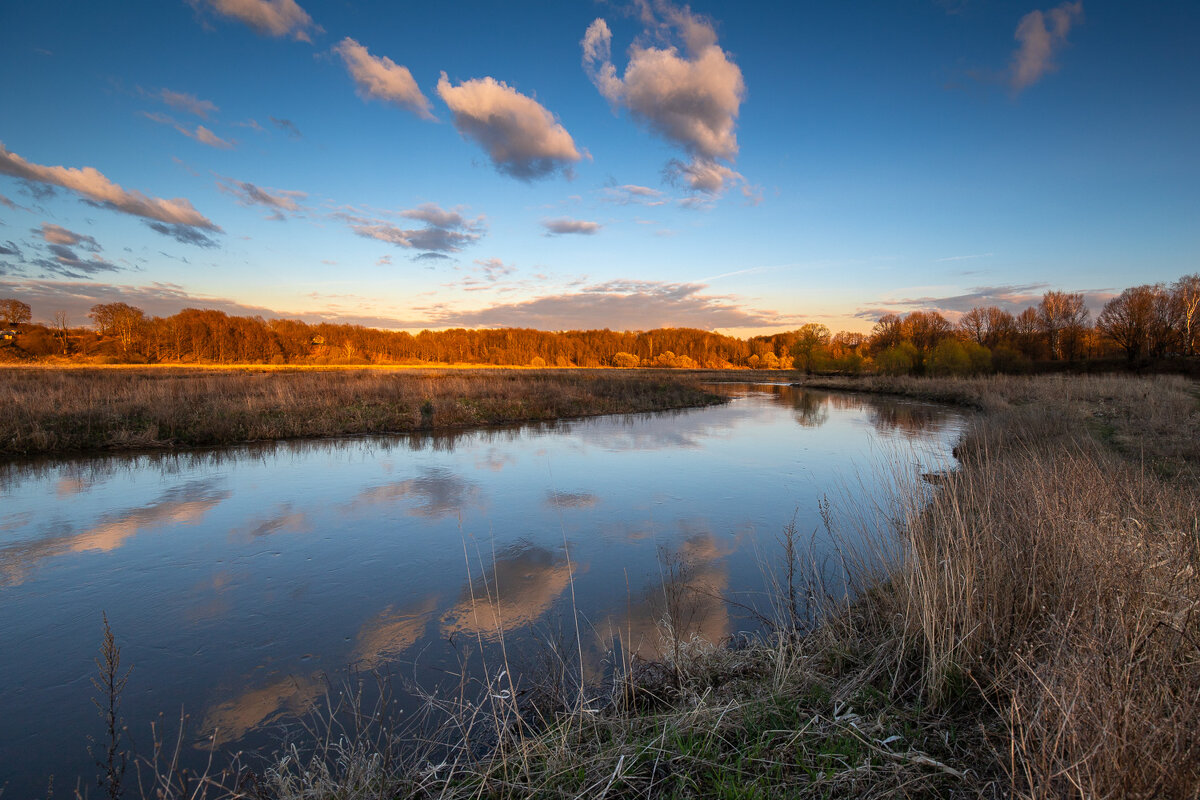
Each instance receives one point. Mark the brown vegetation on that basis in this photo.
(1029, 627)
(62, 410)
(1151, 321)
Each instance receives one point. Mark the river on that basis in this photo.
(241, 582)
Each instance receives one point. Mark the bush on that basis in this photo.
(949, 357)
(899, 360)
(625, 360)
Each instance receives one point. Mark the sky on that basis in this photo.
(571, 164)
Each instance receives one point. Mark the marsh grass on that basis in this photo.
(72, 410)
(1027, 625)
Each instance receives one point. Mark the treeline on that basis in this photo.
(1150, 321)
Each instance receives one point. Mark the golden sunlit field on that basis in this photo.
(116, 408)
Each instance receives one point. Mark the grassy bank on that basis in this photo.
(1029, 626)
(71, 410)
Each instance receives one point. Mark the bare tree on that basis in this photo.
(1186, 294)
(1062, 317)
(123, 321)
(974, 325)
(14, 312)
(1126, 319)
(62, 329)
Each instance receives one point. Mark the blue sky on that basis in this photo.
(743, 167)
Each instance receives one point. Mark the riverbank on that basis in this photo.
(1029, 628)
(59, 411)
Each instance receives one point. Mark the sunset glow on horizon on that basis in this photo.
(743, 168)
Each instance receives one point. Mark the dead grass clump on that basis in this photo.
(1062, 580)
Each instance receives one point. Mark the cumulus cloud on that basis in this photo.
(1040, 35)
(620, 305)
(690, 96)
(277, 201)
(95, 188)
(267, 17)
(522, 138)
(56, 234)
(380, 78)
(199, 133)
(445, 231)
(285, 125)
(555, 227)
(188, 102)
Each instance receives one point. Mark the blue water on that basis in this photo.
(239, 582)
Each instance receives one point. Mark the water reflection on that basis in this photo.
(517, 589)
(571, 499)
(238, 578)
(687, 600)
(186, 504)
(436, 493)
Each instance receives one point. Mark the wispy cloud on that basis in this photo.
(199, 133)
(277, 201)
(620, 304)
(445, 231)
(95, 188)
(964, 258)
(562, 225)
(56, 234)
(632, 194)
(690, 97)
(380, 78)
(1009, 297)
(1040, 35)
(267, 17)
(522, 138)
(59, 257)
(188, 102)
(285, 125)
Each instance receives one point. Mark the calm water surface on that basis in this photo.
(236, 579)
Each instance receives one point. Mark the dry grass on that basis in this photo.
(1027, 626)
(56, 411)
(1055, 576)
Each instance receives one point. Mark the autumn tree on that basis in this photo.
(14, 312)
(811, 348)
(120, 320)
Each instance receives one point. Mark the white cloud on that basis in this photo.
(94, 187)
(564, 225)
(691, 98)
(381, 78)
(1040, 41)
(267, 17)
(522, 138)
